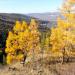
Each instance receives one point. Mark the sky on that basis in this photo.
(29, 6)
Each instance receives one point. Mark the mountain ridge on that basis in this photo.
(48, 16)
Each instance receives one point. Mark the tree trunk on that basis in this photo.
(24, 58)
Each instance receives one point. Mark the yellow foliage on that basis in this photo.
(63, 36)
(24, 26)
(17, 26)
(22, 39)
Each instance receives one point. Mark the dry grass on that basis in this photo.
(39, 67)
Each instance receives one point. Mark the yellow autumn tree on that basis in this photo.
(21, 40)
(13, 50)
(35, 36)
(63, 35)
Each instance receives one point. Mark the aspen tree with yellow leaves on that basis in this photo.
(63, 35)
(35, 34)
(21, 40)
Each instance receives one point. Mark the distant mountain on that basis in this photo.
(46, 19)
(8, 20)
(50, 16)
(14, 16)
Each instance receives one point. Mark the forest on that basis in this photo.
(33, 49)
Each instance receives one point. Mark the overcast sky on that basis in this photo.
(29, 6)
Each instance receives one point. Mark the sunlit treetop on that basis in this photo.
(17, 26)
(24, 26)
(71, 1)
(33, 24)
(68, 6)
